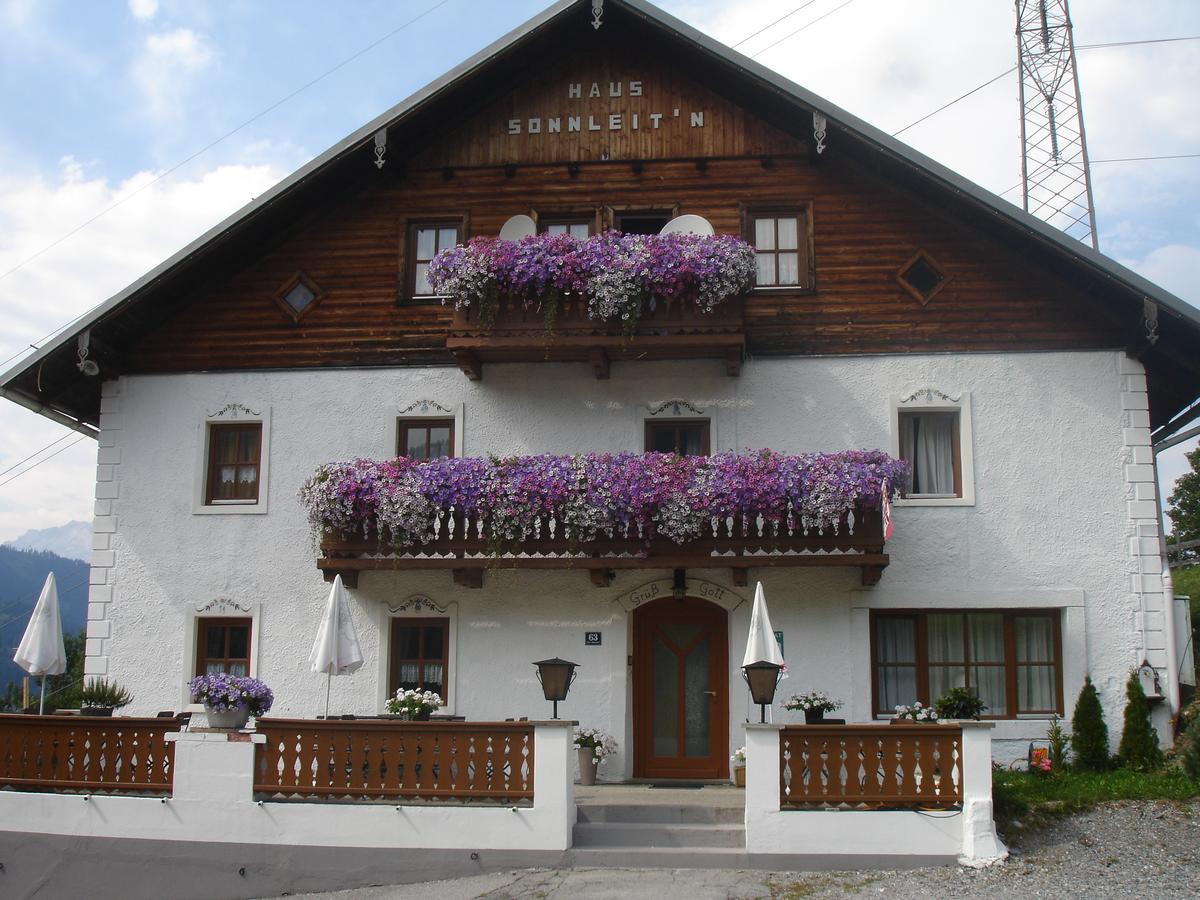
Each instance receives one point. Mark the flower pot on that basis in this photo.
(587, 764)
(229, 718)
(96, 711)
(739, 776)
(814, 716)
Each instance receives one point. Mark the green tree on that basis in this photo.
(1089, 734)
(62, 691)
(1184, 506)
(1139, 742)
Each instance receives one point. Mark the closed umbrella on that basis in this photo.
(336, 650)
(41, 651)
(761, 645)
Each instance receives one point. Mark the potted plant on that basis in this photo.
(413, 706)
(915, 712)
(593, 745)
(959, 703)
(100, 697)
(814, 704)
(738, 761)
(230, 700)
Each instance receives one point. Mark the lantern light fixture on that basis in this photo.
(762, 677)
(556, 675)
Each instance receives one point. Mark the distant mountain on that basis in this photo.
(72, 541)
(22, 574)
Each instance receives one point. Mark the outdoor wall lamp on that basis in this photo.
(1151, 686)
(557, 676)
(762, 677)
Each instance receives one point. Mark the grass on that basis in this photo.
(1025, 802)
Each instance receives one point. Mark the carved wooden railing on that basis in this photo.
(672, 330)
(461, 545)
(86, 753)
(870, 766)
(377, 759)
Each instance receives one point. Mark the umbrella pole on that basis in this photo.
(328, 684)
(42, 702)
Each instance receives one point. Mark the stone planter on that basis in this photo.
(587, 765)
(228, 719)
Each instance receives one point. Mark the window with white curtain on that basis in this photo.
(1012, 660)
(930, 444)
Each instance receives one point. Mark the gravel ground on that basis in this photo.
(1142, 850)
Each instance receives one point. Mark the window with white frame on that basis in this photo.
(931, 431)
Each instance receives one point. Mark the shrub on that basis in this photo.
(959, 703)
(1188, 751)
(100, 692)
(1058, 743)
(1139, 748)
(1089, 734)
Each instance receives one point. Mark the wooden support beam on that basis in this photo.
(599, 360)
(733, 362)
(871, 575)
(469, 578)
(741, 577)
(602, 577)
(469, 363)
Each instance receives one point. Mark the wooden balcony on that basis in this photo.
(670, 331)
(460, 547)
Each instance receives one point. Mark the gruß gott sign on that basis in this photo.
(579, 91)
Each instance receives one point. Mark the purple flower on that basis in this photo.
(223, 692)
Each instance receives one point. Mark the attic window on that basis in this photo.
(922, 277)
(298, 295)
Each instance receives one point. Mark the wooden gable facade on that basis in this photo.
(596, 124)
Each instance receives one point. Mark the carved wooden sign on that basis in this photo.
(589, 118)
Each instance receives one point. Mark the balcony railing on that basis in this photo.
(870, 766)
(434, 761)
(85, 753)
(460, 546)
(669, 331)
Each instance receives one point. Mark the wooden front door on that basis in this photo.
(680, 694)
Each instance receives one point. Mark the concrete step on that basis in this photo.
(642, 835)
(660, 814)
(736, 858)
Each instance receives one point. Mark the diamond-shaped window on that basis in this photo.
(922, 277)
(298, 295)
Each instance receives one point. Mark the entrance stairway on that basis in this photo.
(668, 830)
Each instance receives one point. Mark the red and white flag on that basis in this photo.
(887, 511)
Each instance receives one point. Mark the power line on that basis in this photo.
(955, 100)
(32, 455)
(776, 22)
(225, 136)
(1194, 37)
(43, 460)
(1146, 158)
(800, 29)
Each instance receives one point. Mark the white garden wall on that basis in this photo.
(1052, 525)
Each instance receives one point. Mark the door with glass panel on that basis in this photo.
(680, 696)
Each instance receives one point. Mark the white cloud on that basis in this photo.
(75, 276)
(143, 9)
(166, 69)
(1175, 267)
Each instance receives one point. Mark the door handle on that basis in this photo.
(711, 693)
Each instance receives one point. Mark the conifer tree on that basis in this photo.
(1089, 734)
(1139, 743)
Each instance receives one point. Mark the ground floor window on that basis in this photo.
(223, 645)
(420, 651)
(1012, 659)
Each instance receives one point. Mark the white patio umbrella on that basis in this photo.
(336, 650)
(761, 645)
(41, 651)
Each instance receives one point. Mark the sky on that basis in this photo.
(179, 112)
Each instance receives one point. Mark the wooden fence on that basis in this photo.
(870, 766)
(470, 761)
(87, 753)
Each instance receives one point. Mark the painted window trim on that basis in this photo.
(217, 609)
(1010, 663)
(235, 416)
(422, 608)
(431, 410)
(934, 400)
(298, 278)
